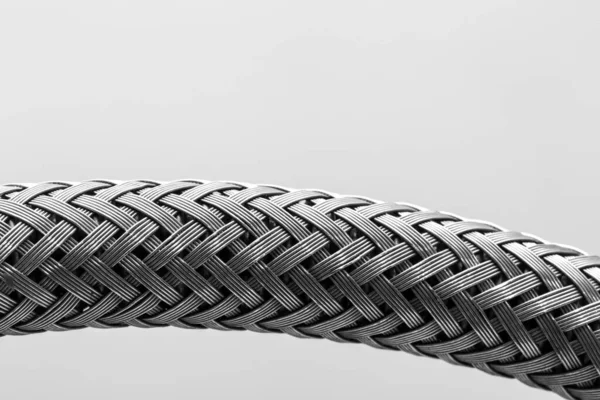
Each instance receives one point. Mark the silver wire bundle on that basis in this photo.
(231, 256)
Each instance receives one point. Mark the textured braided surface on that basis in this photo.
(195, 254)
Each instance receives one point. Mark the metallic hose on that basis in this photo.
(231, 256)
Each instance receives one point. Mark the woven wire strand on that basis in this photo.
(233, 256)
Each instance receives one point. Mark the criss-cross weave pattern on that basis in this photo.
(231, 256)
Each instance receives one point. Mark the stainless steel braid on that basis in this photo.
(232, 256)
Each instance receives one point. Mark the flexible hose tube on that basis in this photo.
(308, 263)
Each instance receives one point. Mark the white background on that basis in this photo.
(488, 109)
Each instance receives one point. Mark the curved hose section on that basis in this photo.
(308, 263)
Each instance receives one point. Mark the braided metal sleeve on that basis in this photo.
(231, 256)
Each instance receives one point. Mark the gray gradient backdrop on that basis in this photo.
(488, 109)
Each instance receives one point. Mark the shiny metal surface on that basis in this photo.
(312, 264)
